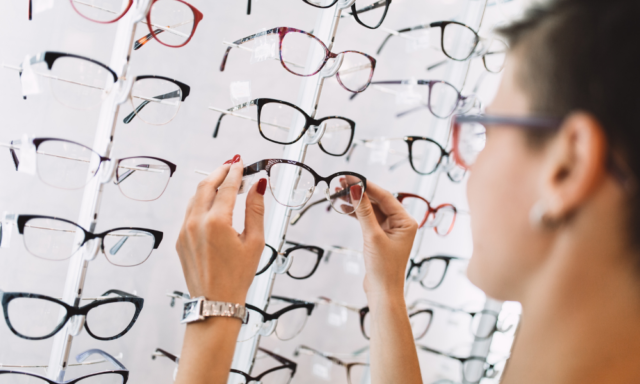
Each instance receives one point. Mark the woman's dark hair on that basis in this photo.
(584, 55)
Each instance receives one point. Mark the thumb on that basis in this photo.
(254, 213)
(367, 217)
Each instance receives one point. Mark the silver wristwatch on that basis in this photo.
(200, 308)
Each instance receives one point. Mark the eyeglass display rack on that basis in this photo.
(426, 186)
(278, 218)
(90, 206)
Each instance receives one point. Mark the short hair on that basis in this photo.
(583, 55)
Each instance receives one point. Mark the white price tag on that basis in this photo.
(28, 79)
(27, 156)
(8, 221)
(321, 368)
(379, 151)
(245, 184)
(240, 92)
(42, 5)
(337, 316)
(266, 48)
(418, 40)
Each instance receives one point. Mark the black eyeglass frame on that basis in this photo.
(309, 122)
(72, 311)
(185, 90)
(487, 367)
(22, 221)
(418, 265)
(295, 304)
(274, 254)
(267, 164)
(122, 371)
(333, 359)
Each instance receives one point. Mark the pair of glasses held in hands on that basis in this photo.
(344, 189)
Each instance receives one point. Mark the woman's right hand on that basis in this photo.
(388, 232)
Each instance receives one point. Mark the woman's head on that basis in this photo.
(536, 192)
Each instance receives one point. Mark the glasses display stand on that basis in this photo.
(278, 217)
(89, 211)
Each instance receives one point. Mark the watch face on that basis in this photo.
(191, 311)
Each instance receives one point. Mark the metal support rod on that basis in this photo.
(88, 217)
(279, 215)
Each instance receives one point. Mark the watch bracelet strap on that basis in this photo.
(223, 309)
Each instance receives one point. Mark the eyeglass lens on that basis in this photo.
(458, 41)
(337, 136)
(66, 165)
(442, 220)
(420, 322)
(172, 22)
(302, 54)
(470, 140)
(303, 264)
(102, 378)
(32, 317)
(142, 178)
(281, 123)
(432, 273)
(51, 239)
(425, 156)
(370, 16)
(79, 83)
(358, 373)
(101, 11)
(291, 323)
(128, 247)
(282, 175)
(355, 71)
(155, 101)
(345, 193)
(417, 208)
(495, 56)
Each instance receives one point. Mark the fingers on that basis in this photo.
(367, 217)
(203, 200)
(254, 213)
(225, 198)
(386, 202)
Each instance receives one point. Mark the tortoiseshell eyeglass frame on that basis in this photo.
(267, 164)
(71, 311)
(309, 122)
(430, 211)
(282, 32)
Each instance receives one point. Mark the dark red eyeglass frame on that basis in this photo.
(282, 31)
(196, 13)
(401, 196)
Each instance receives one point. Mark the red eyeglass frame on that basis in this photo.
(196, 13)
(402, 195)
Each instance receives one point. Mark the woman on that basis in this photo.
(554, 215)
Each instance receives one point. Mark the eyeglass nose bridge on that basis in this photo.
(313, 137)
(283, 264)
(268, 328)
(93, 248)
(107, 170)
(75, 325)
(333, 69)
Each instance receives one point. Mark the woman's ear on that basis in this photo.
(575, 165)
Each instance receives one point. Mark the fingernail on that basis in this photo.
(228, 162)
(262, 186)
(356, 192)
(236, 158)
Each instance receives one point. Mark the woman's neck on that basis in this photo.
(581, 319)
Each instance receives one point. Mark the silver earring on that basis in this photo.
(538, 217)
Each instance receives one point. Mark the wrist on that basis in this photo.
(385, 299)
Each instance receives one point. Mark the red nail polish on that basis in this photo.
(228, 162)
(236, 158)
(356, 192)
(262, 186)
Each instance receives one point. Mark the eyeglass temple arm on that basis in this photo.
(289, 300)
(438, 352)
(230, 111)
(242, 41)
(384, 82)
(398, 33)
(327, 356)
(280, 359)
(30, 10)
(338, 303)
(12, 146)
(371, 7)
(255, 168)
(162, 352)
(248, 7)
(298, 216)
(148, 37)
(84, 355)
(119, 293)
(133, 114)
